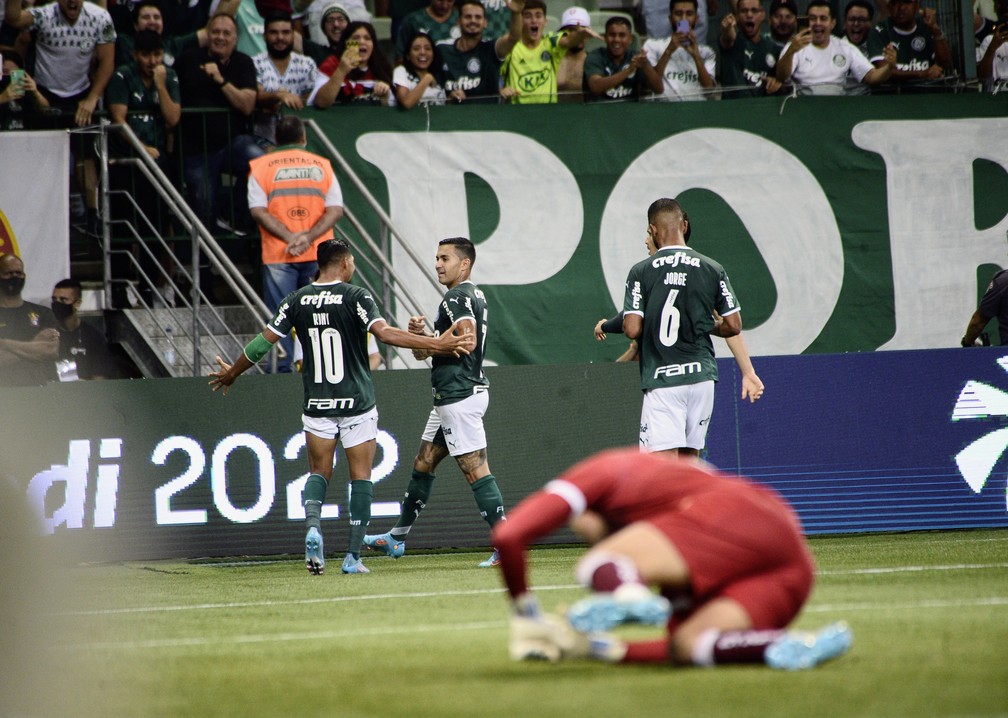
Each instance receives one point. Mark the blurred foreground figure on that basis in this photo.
(727, 556)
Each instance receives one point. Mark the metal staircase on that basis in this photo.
(184, 339)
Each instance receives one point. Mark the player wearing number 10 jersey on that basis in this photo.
(669, 308)
(332, 318)
(461, 396)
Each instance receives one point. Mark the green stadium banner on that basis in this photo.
(846, 224)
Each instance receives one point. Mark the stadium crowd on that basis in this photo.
(203, 84)
(67, 57)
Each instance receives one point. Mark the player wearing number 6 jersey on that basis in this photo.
(669, 309)
(461, 397)
(332, 319)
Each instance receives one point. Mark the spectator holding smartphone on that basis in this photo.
(820, 63)
(993, 63)
(19, 96)
(357, 73)
(686, 65)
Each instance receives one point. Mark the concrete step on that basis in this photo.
(153, 326)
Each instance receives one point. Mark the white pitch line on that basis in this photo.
(913, 569)
(480, 592)
(303, 601)
(956, 603)
(315, 636)
(282, 637)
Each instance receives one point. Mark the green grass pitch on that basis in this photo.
(427, 636)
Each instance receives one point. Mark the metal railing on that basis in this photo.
(204, 245)
(392, 289)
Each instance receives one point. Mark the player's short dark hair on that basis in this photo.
(618, 20)
(70, 284)
(156, 4)
(276, 16)
(663, 206)
(673, 3)
(147, 41)
(534, 5)
(289, 130)
(820, 3)
(472, 2)
(332, 251)
(463, 247)
(861, 4)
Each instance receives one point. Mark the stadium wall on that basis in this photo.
(834, 217)
(164, 468)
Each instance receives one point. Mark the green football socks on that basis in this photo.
(417, 494)
(488, 499)
(314, 495)
(361, 492)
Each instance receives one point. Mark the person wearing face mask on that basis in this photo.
(29, 341)
(79, 342)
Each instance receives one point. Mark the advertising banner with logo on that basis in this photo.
(845, 224)
(34, 207)
(870, 441)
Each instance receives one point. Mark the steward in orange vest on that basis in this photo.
(295, 199)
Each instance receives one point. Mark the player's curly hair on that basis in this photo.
(331, 251)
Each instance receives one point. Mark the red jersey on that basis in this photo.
(692, 503)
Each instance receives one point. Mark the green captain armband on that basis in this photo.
(257, 348)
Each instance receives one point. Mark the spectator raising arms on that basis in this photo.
(748, 56)
(820, 63)
(472, 62)
(69, 35)
(531, 68)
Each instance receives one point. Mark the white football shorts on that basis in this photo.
(462, 423)
(676, 417)
(351, 430)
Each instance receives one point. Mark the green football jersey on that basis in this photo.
(747, 63)
(915, 50)
(332, 322)
(676, 291)
(453, 379)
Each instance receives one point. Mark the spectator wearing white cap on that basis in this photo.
(686, 65)
(570, 74)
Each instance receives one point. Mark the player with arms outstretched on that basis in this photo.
(727, 555)
(332, 319)
(461, 397)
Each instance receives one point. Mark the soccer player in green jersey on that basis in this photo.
(332, 319)
(674, 301)
(461, 397)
